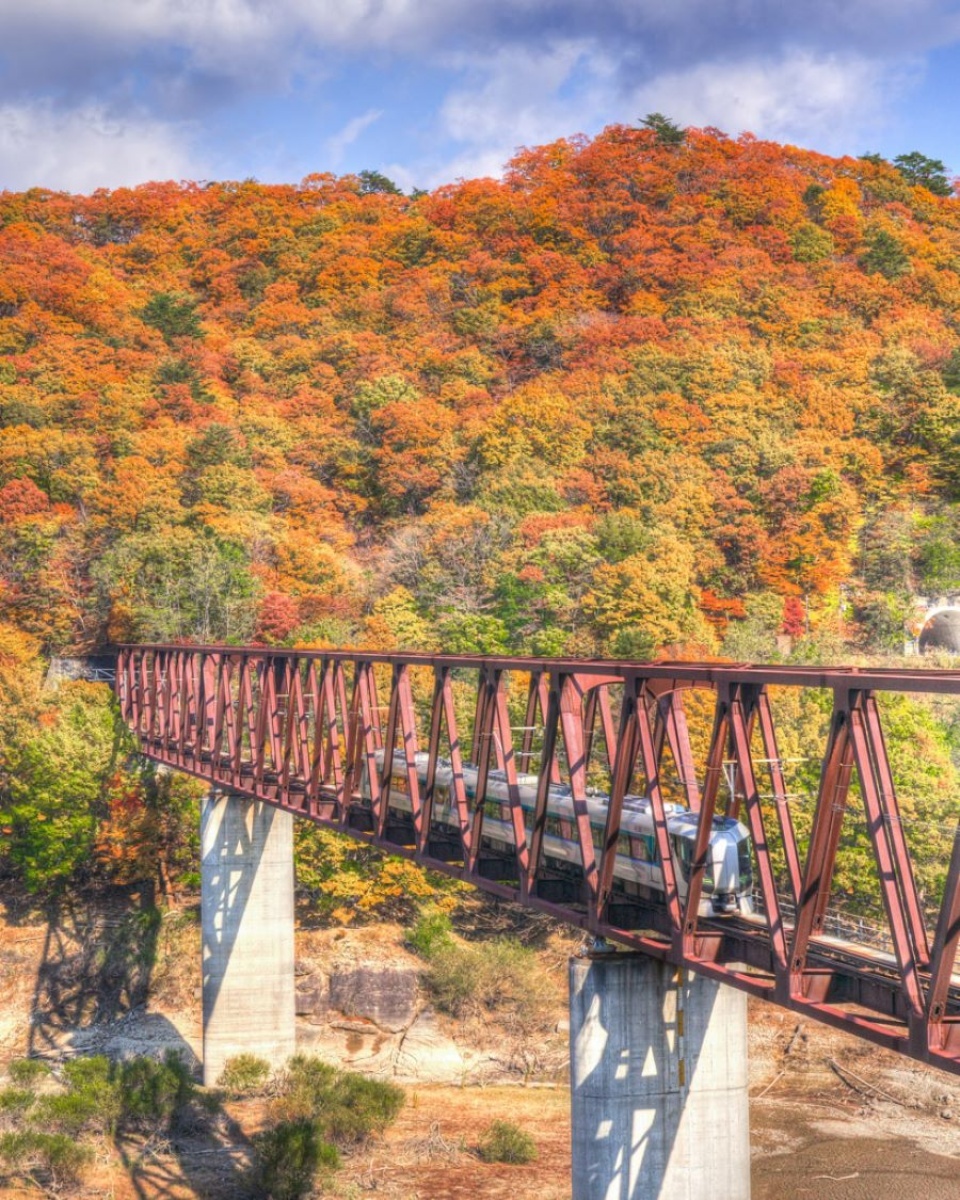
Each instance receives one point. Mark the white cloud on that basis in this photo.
(249, 41)
(87, 148)
(517, 90)
(338, 143)
(520, 97)
(832, 101)
(681, 28)
(520, 72)
(212, 30)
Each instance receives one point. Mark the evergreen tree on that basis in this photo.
(921, 171)
(668, 133)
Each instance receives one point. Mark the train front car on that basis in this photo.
(728, 874)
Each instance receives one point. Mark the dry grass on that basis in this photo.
(176, 972)
(426, 1155)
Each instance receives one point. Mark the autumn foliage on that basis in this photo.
(634, 394)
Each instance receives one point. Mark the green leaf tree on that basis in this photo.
(174, 314)
(176, 584)
(885, 256)
(921, 171)
(668, 133)
(375, 182)
(56, 759)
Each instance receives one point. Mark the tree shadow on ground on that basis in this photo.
(98, 958)
(90, 996)
(205, 1155)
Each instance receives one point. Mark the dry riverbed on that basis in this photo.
(832, 1118)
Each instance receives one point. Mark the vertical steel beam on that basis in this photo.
(778, 783)
(408, 734)
(625, 756)
(550, 707)
(900, 853)
(651, 759)
(708, 802)
(457, 782)
(824, 838)
(509, 768)
(678, 737)
(739, 722)
(483, 736)
(944, 956)
(571, 728)
(879, 829)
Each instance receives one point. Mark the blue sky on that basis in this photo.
(106, 93)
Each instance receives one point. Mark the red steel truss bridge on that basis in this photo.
(334, 737)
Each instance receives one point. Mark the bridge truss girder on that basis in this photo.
(301, 729)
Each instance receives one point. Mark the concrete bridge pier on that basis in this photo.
(246, 896)
(658, 1065)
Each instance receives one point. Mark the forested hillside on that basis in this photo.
(655, 392)
(647, 393)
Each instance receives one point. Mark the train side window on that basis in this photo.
(554, 827)
(649, 843)
(623, 845)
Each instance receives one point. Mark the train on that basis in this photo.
(637, 874)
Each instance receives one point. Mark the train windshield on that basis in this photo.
(684, 854)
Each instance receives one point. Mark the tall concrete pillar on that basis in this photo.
(246, 898)
(658, 1064)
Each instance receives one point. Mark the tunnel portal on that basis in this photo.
(941, 631)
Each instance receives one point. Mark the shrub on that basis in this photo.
(53, 1158)
(289, 1158)
(92, 1100)
(73, 1113)
(504, 1142)
(25, 1072)
(501, 975)
(95, 1096)
(346, 1108)
(154, 1094)
(358, 1107)
(15, 1100)
(244, 1075)
(303, 1088)
(430, 933)
(454, 978)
